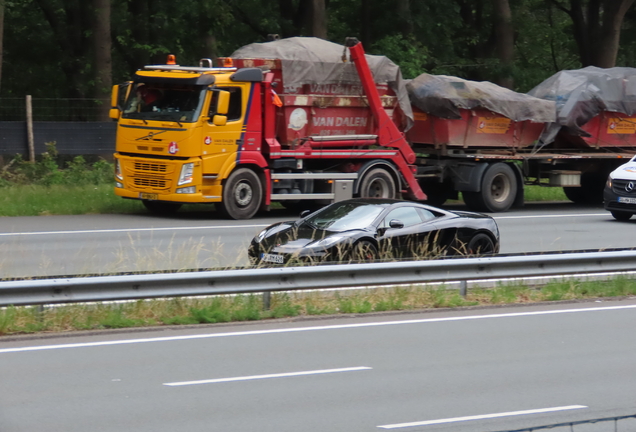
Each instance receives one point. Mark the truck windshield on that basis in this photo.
(164, 102)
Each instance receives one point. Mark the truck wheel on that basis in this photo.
(161, 207)
(377, 183)
(591, 190)
(498, 190)
(621, 215)
(436, 193)
(242, 194)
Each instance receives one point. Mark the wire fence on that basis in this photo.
(54, 109)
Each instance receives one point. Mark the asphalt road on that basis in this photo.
(91, 244)
(469, 370)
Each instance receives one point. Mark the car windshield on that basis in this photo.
(346, 216)
(180, 103)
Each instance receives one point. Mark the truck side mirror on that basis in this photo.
(114, 98)
(223, 104)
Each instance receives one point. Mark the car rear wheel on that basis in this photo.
(621, 215)
(481, 245)
(364, 250)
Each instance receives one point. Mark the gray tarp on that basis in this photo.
(582, 94)
(443, 96)
(308, 60)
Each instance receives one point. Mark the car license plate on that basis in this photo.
(273, 258)
(148, 196)
(627, 200)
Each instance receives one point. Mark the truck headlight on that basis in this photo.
(118, 173)
(186, 174)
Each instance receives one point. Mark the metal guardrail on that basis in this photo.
(570, 425)
(264, 280)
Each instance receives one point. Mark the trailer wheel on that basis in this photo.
(591, 190)
(377, 183)
(437, 193)
(242, 194)
(498, 190)
(161, 207)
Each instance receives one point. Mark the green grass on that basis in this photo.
(223, 309)
(40, 200)
(36, 200)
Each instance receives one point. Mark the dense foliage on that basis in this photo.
(56, 48)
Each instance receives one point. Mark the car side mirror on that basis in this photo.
(305, 213)
(396, 223)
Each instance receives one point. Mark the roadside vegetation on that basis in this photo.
(223, 309)
(54, 186)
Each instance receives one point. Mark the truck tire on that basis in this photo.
(161, 207)
(242, 194)
(498, 190)
(437, 193)
(377, 183)
(591, 190)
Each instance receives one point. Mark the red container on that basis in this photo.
(607, 129)
(477, 128)
(321, 109)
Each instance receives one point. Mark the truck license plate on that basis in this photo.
(273, 258)
(627, 200)
(148, 196)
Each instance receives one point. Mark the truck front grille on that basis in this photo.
(152, 167)
(150, 182)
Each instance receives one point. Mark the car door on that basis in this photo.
(411, 235)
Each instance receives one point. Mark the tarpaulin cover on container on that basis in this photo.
(443, 96)
(582, 94)
(309, 60)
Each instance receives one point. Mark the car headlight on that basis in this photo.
(327, 242)
(186, 174)
(609, 182)
(261, 236)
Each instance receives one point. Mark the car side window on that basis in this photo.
(427, 215)
(407, 215)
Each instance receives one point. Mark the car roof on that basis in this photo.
(391, 202)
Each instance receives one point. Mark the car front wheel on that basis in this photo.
(364, 250)
(621, 215)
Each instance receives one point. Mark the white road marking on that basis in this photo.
(550, 216)
(258, 377)
(482, 417)
(306, 329)
(106, 231)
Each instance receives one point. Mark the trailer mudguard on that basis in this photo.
(467, 177)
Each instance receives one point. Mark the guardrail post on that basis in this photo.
(267, 300)
(463, 288)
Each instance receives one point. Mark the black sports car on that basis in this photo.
(375, 229)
